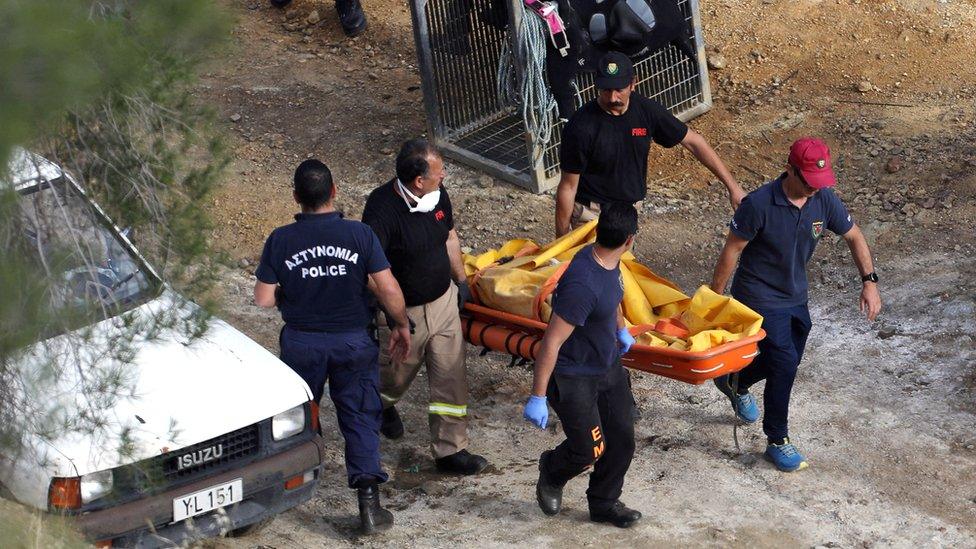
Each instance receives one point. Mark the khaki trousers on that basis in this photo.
(437, 342)
(583, 213)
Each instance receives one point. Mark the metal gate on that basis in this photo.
(459, 44)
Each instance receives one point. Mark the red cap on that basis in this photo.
(812, 157)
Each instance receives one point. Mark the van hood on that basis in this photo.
(178, 390)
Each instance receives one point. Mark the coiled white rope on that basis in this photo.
(505, 83)
(538, 103)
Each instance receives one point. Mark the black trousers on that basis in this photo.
(597, 414)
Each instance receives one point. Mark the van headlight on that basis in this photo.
(95, 485)
(288, 423)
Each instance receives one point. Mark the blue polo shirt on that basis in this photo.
(772, 269)
(588, 297)
(321, 262)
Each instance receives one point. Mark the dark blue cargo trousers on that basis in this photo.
(348, 361)
(779, 356)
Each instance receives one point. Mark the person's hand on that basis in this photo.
(562, 230)
(625, 340)
(870, 300)
(537, 411)
(399, 346)
(464, 293)
(391, 324)
(736, 194)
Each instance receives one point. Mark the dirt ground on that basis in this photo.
(885, 412)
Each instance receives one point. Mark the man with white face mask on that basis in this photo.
(412, 216)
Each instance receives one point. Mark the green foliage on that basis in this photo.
(19, 317)
(24, 529)
(101, 88)
(58, 56)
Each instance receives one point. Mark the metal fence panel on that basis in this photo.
(459, 45)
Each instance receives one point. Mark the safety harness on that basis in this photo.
(548, 12)
(622, 25)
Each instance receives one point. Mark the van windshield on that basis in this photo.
(88, 269)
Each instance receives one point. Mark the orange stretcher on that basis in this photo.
(521, 337)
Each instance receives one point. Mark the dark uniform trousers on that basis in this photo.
(597, 414)
(779, 356)
(349, 362)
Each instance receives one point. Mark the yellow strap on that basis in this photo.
(547, 288)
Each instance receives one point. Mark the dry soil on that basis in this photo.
(884, 411)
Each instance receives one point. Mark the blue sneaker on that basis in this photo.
(744, 406)
(785, 457)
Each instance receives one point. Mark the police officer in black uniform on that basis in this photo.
(317, 271)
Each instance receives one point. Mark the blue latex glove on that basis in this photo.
(625, 340)
(537, 411)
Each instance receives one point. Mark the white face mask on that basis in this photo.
(425, 203)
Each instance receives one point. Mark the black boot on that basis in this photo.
(392, 426)
(617, 514)
(372, 517)
(351, 17)
(549, 496)
(461, 463)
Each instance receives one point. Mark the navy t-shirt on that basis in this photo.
(772, 270)
(322, 262)
(587, 297)
(610, 152)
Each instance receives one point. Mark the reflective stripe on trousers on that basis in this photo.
(437, 344)
(442, 409)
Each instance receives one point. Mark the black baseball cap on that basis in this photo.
(614, 71)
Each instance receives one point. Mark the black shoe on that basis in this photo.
(351, 17)
(392, 426)
(372, 517)
(461, 463)
(617, 514)
(280, 3)
(550, 497)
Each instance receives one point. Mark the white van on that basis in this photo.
(217, 434)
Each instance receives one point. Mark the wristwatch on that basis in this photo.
(870, 277)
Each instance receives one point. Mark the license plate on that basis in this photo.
(206, 500)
